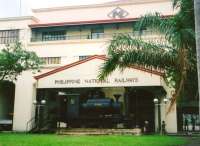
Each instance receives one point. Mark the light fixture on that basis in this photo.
(43, 101)
(155, 100)
(61, 93)
(35, 102)
(165, 100)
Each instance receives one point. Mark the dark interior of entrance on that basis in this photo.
(98, 107)
(7, 94)
(141, 108)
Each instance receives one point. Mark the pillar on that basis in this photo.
(23, 105)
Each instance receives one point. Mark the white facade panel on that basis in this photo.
(86, 75)
(24, 96)
(73, 14)
(69, 48)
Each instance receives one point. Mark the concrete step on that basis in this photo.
(94, 131)
(188, 133)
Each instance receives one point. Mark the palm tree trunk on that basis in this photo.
(197, 30)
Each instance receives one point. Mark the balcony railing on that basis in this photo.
(149, 35)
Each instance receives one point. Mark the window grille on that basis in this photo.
(53, 35)
(51, 60)
(84, 57)
(97, 33)
(9, 36)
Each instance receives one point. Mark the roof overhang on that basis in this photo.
(20, 18)
(83, 22)
(106, 21)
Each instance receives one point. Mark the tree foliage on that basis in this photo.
(175, 54)
(14, 59)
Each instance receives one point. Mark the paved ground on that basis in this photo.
(193, 141)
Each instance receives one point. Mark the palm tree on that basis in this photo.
(197, 26)
(175, 56)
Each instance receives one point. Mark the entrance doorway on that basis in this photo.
(141, 108)
(62, 108)
(116, 107)
(7, 94)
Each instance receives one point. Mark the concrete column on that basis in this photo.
(163, 109)
(156, 118)
(23, 106)
(170, 116)
(171, 119)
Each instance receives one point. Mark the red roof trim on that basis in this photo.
(83, 22)
(87, 22)
(101, 57)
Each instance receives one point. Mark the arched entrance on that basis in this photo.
(7, 94)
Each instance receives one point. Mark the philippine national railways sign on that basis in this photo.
(95, 81)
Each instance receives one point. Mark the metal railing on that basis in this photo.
(36, 124)
(145, 35)
(31, 124)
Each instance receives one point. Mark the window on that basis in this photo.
(97, 33)
(144, 30)
(51, 60)
(84, 57)
(53, 35)
(9, 36)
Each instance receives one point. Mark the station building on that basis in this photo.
(73, 43)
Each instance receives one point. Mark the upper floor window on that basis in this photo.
(53, 35)
(9, 36)
(84, 57)
(51, 60)
(97, 33)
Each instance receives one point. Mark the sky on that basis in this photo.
(12, 8)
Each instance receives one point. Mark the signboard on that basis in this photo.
(95, 81)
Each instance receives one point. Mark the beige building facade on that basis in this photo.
(73, 42)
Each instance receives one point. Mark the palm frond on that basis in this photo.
(176, 3)
(125, 42)
(181, 33)
(149, 58)
(126, 51)
(155, 22)
(109, 66)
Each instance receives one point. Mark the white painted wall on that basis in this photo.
(169, 115)
(86, 13)
(69, 49)
(24, 96)
(16, 23)
(171, 119)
